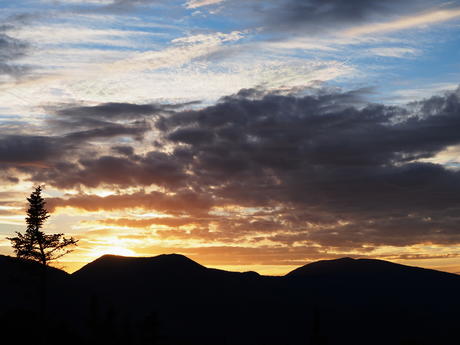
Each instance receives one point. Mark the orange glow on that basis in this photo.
(115, 250)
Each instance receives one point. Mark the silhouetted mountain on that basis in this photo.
(363, 267)
(18, 279)
(21, 291)
(11, 266)
(113, 266)
(173, 300)
(401, 304)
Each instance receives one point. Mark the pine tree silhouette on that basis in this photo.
(37, 246)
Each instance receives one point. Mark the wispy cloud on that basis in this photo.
(417, 20)
(396, 52)
(201, 3)
(55, 35)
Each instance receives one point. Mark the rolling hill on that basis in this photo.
(171, 299)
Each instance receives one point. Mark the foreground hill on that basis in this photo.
(19, 278)
(171, 299)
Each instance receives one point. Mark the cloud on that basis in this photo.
(319, 17)
(213, 39)
(144, 223)
(276, 165)
(200, 3)
(106, 120)
(52, 35)
(17, 149)
(119, 7)
(135, 130)
(111, 111)
(417, 20)
(167, 73)
(184, 203)
(12, 49)
(317, 168)
(395, 52)
(155, 168)
(228, 255)
(78, 127)
(123, 150)
(322, 154)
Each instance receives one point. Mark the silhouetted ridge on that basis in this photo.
(12, 265)
(358, 267)
(19, 279)
(161, 264)
(334, 302)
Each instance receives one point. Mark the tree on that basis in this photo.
(35, 244)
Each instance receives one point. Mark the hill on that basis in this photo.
(171, 299)
(362, 267)
(18, 279)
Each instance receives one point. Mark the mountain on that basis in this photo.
(19, 277)
(170, 299)
(116, 267)
(363, 267)
(21, 292)
(381, 301)
(14, 266)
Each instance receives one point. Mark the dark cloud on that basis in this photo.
(122, 7)
(12, 49)
(191, 136)
(81, 131)
(124, 150)
(105, 120)
(131, 3)
(109, 122)
(359, 165)
(20, 149)
(324, 168)
(30, 153)
(110, 111)
(321, 16)
(317, 14)
(155, 168)
(135, 129)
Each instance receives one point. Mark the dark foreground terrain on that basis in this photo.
(170, 299)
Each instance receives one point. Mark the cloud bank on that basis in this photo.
(322, 169)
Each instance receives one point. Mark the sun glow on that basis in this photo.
(115, 250)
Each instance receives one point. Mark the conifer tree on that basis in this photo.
(34, 244)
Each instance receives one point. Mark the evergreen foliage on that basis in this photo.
(34, 244)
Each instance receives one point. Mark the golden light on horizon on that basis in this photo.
(114, 250)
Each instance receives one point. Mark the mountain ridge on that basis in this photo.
(176, 261)
(182, 261)
(362, 265)
(343, 300)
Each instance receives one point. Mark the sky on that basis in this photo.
(245, 134)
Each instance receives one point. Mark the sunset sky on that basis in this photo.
(245, 134)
